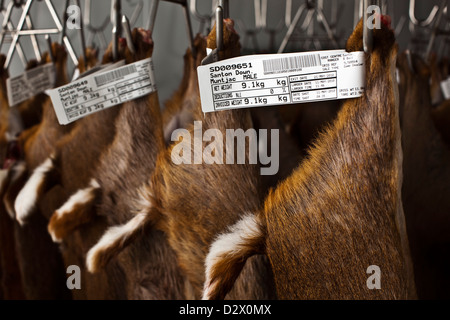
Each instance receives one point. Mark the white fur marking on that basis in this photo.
(226, 244)
(27, 198)
(80, 197)
(113, 236)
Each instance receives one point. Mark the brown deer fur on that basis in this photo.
(441, 120)
(426, 171)
(304, 121)
(183, 200)
(341, 210)
(181, 110)
(32, 241)
(10, 279)
(149, 268)
(33, 244)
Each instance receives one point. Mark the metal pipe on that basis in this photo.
(34, 42)
(49, 45)
(424, 22)
(81, 32)
(225, 8)
(64, 25)
(291, 28)
(367, 32)
(219, 28)
(6, 19)
(326, 25)
(189, 30)
(152, 15)
(435, 30)
(137, 11)
(127, 32)
(16, 36)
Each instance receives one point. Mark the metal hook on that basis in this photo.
(136, 13)
(127, 31)
(357, 12)
(263, 15)
(117, 30)
(367, 32)
(260, 23)
(292, 25)
(312, 9)
(16, 36)
(203, 19)
(219, 28)
(214, 54)
(81, 32)
(34, 42)
(183, 3)
(49, 45)
(8, 26)
(93, 31)
(323, 20)
(6, 19)
(288, 13)
(225, 9)
(115, 44)
(435, 30)
(424, 22)
(152, 15)
(59, 27)
(189, 29)
(65, 17)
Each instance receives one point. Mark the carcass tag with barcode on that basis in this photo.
(102, 90)
(277, 79)
(30, 83)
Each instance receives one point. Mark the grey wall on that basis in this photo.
(170, 34)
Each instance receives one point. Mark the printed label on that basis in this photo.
(30, 83)
(445, 87)
(277, 79)
(102, 90)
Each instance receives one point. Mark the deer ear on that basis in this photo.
(228, 254)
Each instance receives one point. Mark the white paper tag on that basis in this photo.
(445, 87)
(30, 83)
(102, 90)
(277, 79)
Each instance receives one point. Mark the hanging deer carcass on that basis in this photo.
(339, 215)
(183, 201)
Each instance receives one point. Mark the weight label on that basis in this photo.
(264, 80)
(30, 83)
(103, 90)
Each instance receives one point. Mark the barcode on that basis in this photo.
(291, 63)
(32, 73)
(113, 75)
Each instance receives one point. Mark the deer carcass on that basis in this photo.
(149, 268)
(184, 201)
(339, 214)
(426, 171)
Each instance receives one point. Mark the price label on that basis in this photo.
(30, 83)
(277, 79)
(103, 90)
